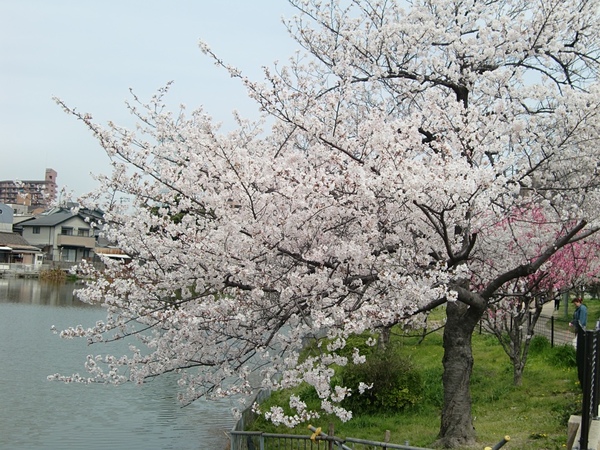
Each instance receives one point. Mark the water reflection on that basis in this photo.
(38, 414)
(37, 292)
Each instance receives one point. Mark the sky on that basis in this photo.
(90, 53)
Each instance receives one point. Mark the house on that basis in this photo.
(13, 247)
(61, 234)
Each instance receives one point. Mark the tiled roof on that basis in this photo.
(50, 220)
(15, 241)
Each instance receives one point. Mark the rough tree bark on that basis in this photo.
(457, 424)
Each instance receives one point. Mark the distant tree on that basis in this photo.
(372, 191)
(514, 312)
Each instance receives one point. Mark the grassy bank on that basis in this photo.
(535, 414)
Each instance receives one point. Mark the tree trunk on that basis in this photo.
(516, 355)
(384, 337)
(521, 338)
(518, 369)
(457, 424)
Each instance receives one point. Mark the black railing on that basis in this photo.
(590, 385)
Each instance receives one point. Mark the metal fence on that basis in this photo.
(546, 326)
(256, 440)
(318, 440)
(590, 385)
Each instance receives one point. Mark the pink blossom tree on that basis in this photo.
(514, 312)
(368, 194)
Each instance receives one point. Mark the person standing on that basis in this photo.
(579, 323)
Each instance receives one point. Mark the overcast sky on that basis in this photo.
(89, 53)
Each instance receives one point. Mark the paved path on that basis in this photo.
(542, 328)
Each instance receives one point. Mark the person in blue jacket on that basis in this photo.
(579, 323)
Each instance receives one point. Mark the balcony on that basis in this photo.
(65, 240)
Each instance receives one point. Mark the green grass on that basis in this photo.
(534, 414)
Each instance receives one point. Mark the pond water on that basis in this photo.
(39, 414)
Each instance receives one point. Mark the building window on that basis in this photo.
(83, 232)
(66, 231)
(36, 230)
(68, 254)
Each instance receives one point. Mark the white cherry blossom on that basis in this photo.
(387, 177)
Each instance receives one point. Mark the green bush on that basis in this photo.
(538, 345)
(313, 347)
(396, 384)
(562, 356)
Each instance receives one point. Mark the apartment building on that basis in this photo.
(32, 193)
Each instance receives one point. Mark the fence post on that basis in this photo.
(552, 331)
(331, 433)
(588, 387)
(386, 439)
(596, 378)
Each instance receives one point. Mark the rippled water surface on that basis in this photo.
(39, 414)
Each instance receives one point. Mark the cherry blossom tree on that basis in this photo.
(390, 150)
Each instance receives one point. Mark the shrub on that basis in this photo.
(316, 346)
(54, 275)
(539, 344)
(396, 384)
(562, 356)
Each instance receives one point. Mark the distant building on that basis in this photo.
(19, 210)
(6, 219)
(31, 193)
(61, 234)
(13, 247)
